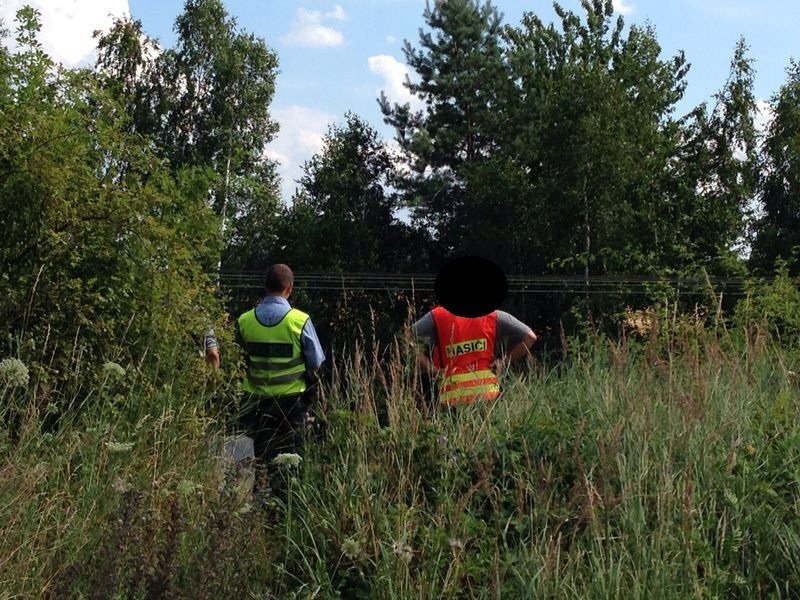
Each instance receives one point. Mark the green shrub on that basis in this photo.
(773, 306)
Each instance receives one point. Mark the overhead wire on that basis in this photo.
(517, 284)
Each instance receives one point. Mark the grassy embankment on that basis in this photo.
(666, 470)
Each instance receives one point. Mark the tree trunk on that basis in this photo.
(587, 240)
(224, 210)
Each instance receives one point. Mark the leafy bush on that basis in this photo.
(101, 243)
(773, 306)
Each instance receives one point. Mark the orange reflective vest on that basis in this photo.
(465, 349)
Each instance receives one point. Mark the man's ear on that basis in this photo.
(290, 289)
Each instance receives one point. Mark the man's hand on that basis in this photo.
(498, 365)
(522, 349)
(426, 365)
(212, 357)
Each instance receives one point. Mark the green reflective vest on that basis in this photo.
(275, 362)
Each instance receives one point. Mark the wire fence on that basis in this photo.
(517, 284)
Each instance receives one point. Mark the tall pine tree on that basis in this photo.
(463, 82)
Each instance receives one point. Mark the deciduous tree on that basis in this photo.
(778, 230)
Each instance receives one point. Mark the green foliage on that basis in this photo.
(344, 205)
(599, 487)
(205, 104)
(777, 230)
(600, 150)
(343, 219)
(103, 251)
(617, 189)
(773, 306)
(617, 472)
(719, 171)
(464, 83)
(115, 490)
(669, 463)
(554, 148)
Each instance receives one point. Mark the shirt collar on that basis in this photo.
(279, 300)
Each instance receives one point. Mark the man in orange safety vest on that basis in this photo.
(467, 337)
(466, 352)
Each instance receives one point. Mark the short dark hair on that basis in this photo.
(279, 277)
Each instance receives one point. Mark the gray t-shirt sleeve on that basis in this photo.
(425, 330)
(510, 331)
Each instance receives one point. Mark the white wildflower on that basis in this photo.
(114, 369)
(351, 548)
(13, 372)
(119, 447)
(246, 508)
(187, 487)
(404, 551)
(456, 544)
(120, 485)
(287, 460)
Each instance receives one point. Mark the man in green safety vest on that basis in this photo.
(282, 353)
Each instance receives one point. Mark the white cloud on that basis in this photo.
(308, 29)
(622, 7)
(394, 76)
(337, 13)
(299, 138)
(763, 117)
(67, 25)
(398, 158)
(390, 39)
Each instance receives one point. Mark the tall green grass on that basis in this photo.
(662, 468)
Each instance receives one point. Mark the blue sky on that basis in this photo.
(335, 56)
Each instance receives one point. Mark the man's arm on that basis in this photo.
(522, 349)
(212, 349)
(425, 332)
(311, 347)
(512, 330)
(425, 363)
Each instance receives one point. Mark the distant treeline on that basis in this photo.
(554, 149)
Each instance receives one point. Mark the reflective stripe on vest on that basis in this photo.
(275, 362)
(468, 387)
(465, 349)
